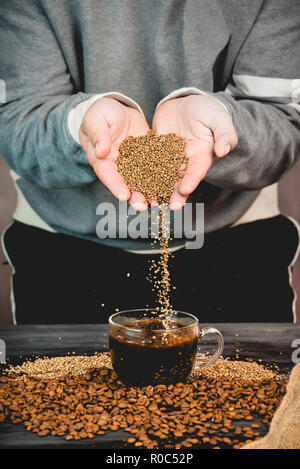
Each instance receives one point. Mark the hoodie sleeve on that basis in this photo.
(36, 96)
(264, 101)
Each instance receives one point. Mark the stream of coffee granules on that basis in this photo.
(215, 408)
(152, 164)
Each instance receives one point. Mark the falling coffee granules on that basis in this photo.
(159, 272)
(152, 164)
(221, 410)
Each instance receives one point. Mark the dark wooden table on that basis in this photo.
(272, 343)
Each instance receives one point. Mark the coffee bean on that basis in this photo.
(180, 414)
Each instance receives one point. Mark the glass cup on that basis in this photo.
(143, 351)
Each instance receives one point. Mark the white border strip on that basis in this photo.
(12, 296)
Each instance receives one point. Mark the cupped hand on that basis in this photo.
(208, 131)
(105, 125)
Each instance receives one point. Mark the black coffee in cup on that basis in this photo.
(151, 351)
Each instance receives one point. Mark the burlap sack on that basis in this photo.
(284, 431)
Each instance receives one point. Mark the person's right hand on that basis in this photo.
(105, 125)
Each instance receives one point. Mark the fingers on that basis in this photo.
(177, 200)
(200, 154)
(105, 125)
(107, 172)
(104, 167)
(88, 148)
(96, 129)
(196, 171)
(138, 201)
(224, 134)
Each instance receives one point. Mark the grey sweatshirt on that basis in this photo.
(55, 54)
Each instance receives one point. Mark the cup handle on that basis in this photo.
(218, 352)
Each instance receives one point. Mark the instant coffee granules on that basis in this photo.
(159, 355)
(57, 367)
(151, 164)
(223, 410)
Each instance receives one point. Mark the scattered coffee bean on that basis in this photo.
(51, 400)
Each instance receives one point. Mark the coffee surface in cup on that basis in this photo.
(152, 351)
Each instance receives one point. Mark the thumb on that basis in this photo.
(96, 129)
(225, 136)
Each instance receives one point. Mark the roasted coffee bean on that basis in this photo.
(83, 406)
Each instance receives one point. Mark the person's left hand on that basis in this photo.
(208, 131)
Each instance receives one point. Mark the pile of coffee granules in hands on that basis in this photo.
(152, 164)
(215, 408)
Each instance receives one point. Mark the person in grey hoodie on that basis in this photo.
(76, 78)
